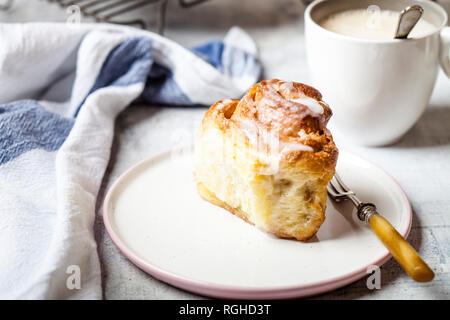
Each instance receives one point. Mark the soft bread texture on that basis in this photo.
(268, 157)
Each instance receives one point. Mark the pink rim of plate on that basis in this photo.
(237, 292)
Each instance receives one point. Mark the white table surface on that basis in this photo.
(420, 162)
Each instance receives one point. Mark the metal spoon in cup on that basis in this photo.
(408, 19)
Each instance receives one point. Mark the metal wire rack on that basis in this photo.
(112, 10)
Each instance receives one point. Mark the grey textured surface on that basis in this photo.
(420, 162)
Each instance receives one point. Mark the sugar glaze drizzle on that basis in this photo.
(272, 120)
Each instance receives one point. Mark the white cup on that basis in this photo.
(376, 89)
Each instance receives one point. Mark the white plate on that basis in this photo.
(155, 216)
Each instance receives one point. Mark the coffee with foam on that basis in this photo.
(372, 24)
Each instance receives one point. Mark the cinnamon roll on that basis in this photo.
(268, 157)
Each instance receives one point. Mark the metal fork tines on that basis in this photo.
(338, 191)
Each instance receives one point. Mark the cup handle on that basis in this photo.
(445, 50)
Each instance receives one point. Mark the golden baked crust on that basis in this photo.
(284, 121)
(269, 156)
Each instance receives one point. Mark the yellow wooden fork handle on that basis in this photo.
(406, 256)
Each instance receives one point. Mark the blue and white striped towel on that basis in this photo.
(61, 87)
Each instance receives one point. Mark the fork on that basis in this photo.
(402, 251)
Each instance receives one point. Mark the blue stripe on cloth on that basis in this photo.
(26, 125)
(132, 62)
(211, 52)
(161, 88)
(126, 64)
(231, 61)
